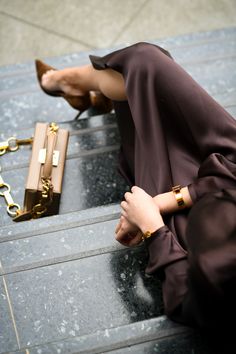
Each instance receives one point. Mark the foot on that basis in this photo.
(76, 85)
(65, 80)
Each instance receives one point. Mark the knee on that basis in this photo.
(146, 56)
(148, 49)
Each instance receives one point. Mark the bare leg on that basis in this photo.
(79, 80)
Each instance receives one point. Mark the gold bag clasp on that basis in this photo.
(55, 157)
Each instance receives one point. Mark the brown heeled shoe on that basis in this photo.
(93, 99)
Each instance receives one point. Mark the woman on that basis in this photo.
(178, 151)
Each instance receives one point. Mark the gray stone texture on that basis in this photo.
(8, 340)
(126, 336)
(72, 287)
(83, 296)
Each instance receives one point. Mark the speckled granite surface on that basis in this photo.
(66, 286)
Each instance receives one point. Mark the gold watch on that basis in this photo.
(146, 235)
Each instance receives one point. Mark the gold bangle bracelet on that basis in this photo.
(178, 195)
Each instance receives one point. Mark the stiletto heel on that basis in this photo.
(94, 99)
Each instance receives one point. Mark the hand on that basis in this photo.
(127, 234)
(140, 209)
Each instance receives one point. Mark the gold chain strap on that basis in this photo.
(46, 198)
(13, 209)
(12, 144)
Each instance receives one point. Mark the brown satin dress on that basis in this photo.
(173, 132)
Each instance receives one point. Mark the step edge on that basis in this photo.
(107, 339)
(77, 218)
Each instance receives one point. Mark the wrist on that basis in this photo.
(155, 228)
(152, 226)
(167, 202)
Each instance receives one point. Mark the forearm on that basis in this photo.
(167, 202)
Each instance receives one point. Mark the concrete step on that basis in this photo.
(21, 81)
(51, 240)
(66, 285)
(157, 335)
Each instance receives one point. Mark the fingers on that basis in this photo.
(136, 240)
(135, 189)
(124, 214)
(118, 226)
(121, 231)
(124, 238)
(128, 239)
(127, 234)
(127, 196)
(124, 205)
(124, 208)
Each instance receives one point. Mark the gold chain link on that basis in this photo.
(46, 198)
(12, 144)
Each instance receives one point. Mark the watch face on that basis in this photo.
(147, 234)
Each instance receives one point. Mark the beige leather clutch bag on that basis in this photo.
(46, 170)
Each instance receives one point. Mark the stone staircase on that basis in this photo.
(66, 285)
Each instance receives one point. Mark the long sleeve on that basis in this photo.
(169, 250)
(169, 260)
(217, 172)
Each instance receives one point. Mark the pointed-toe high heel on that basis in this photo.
(93, 99)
